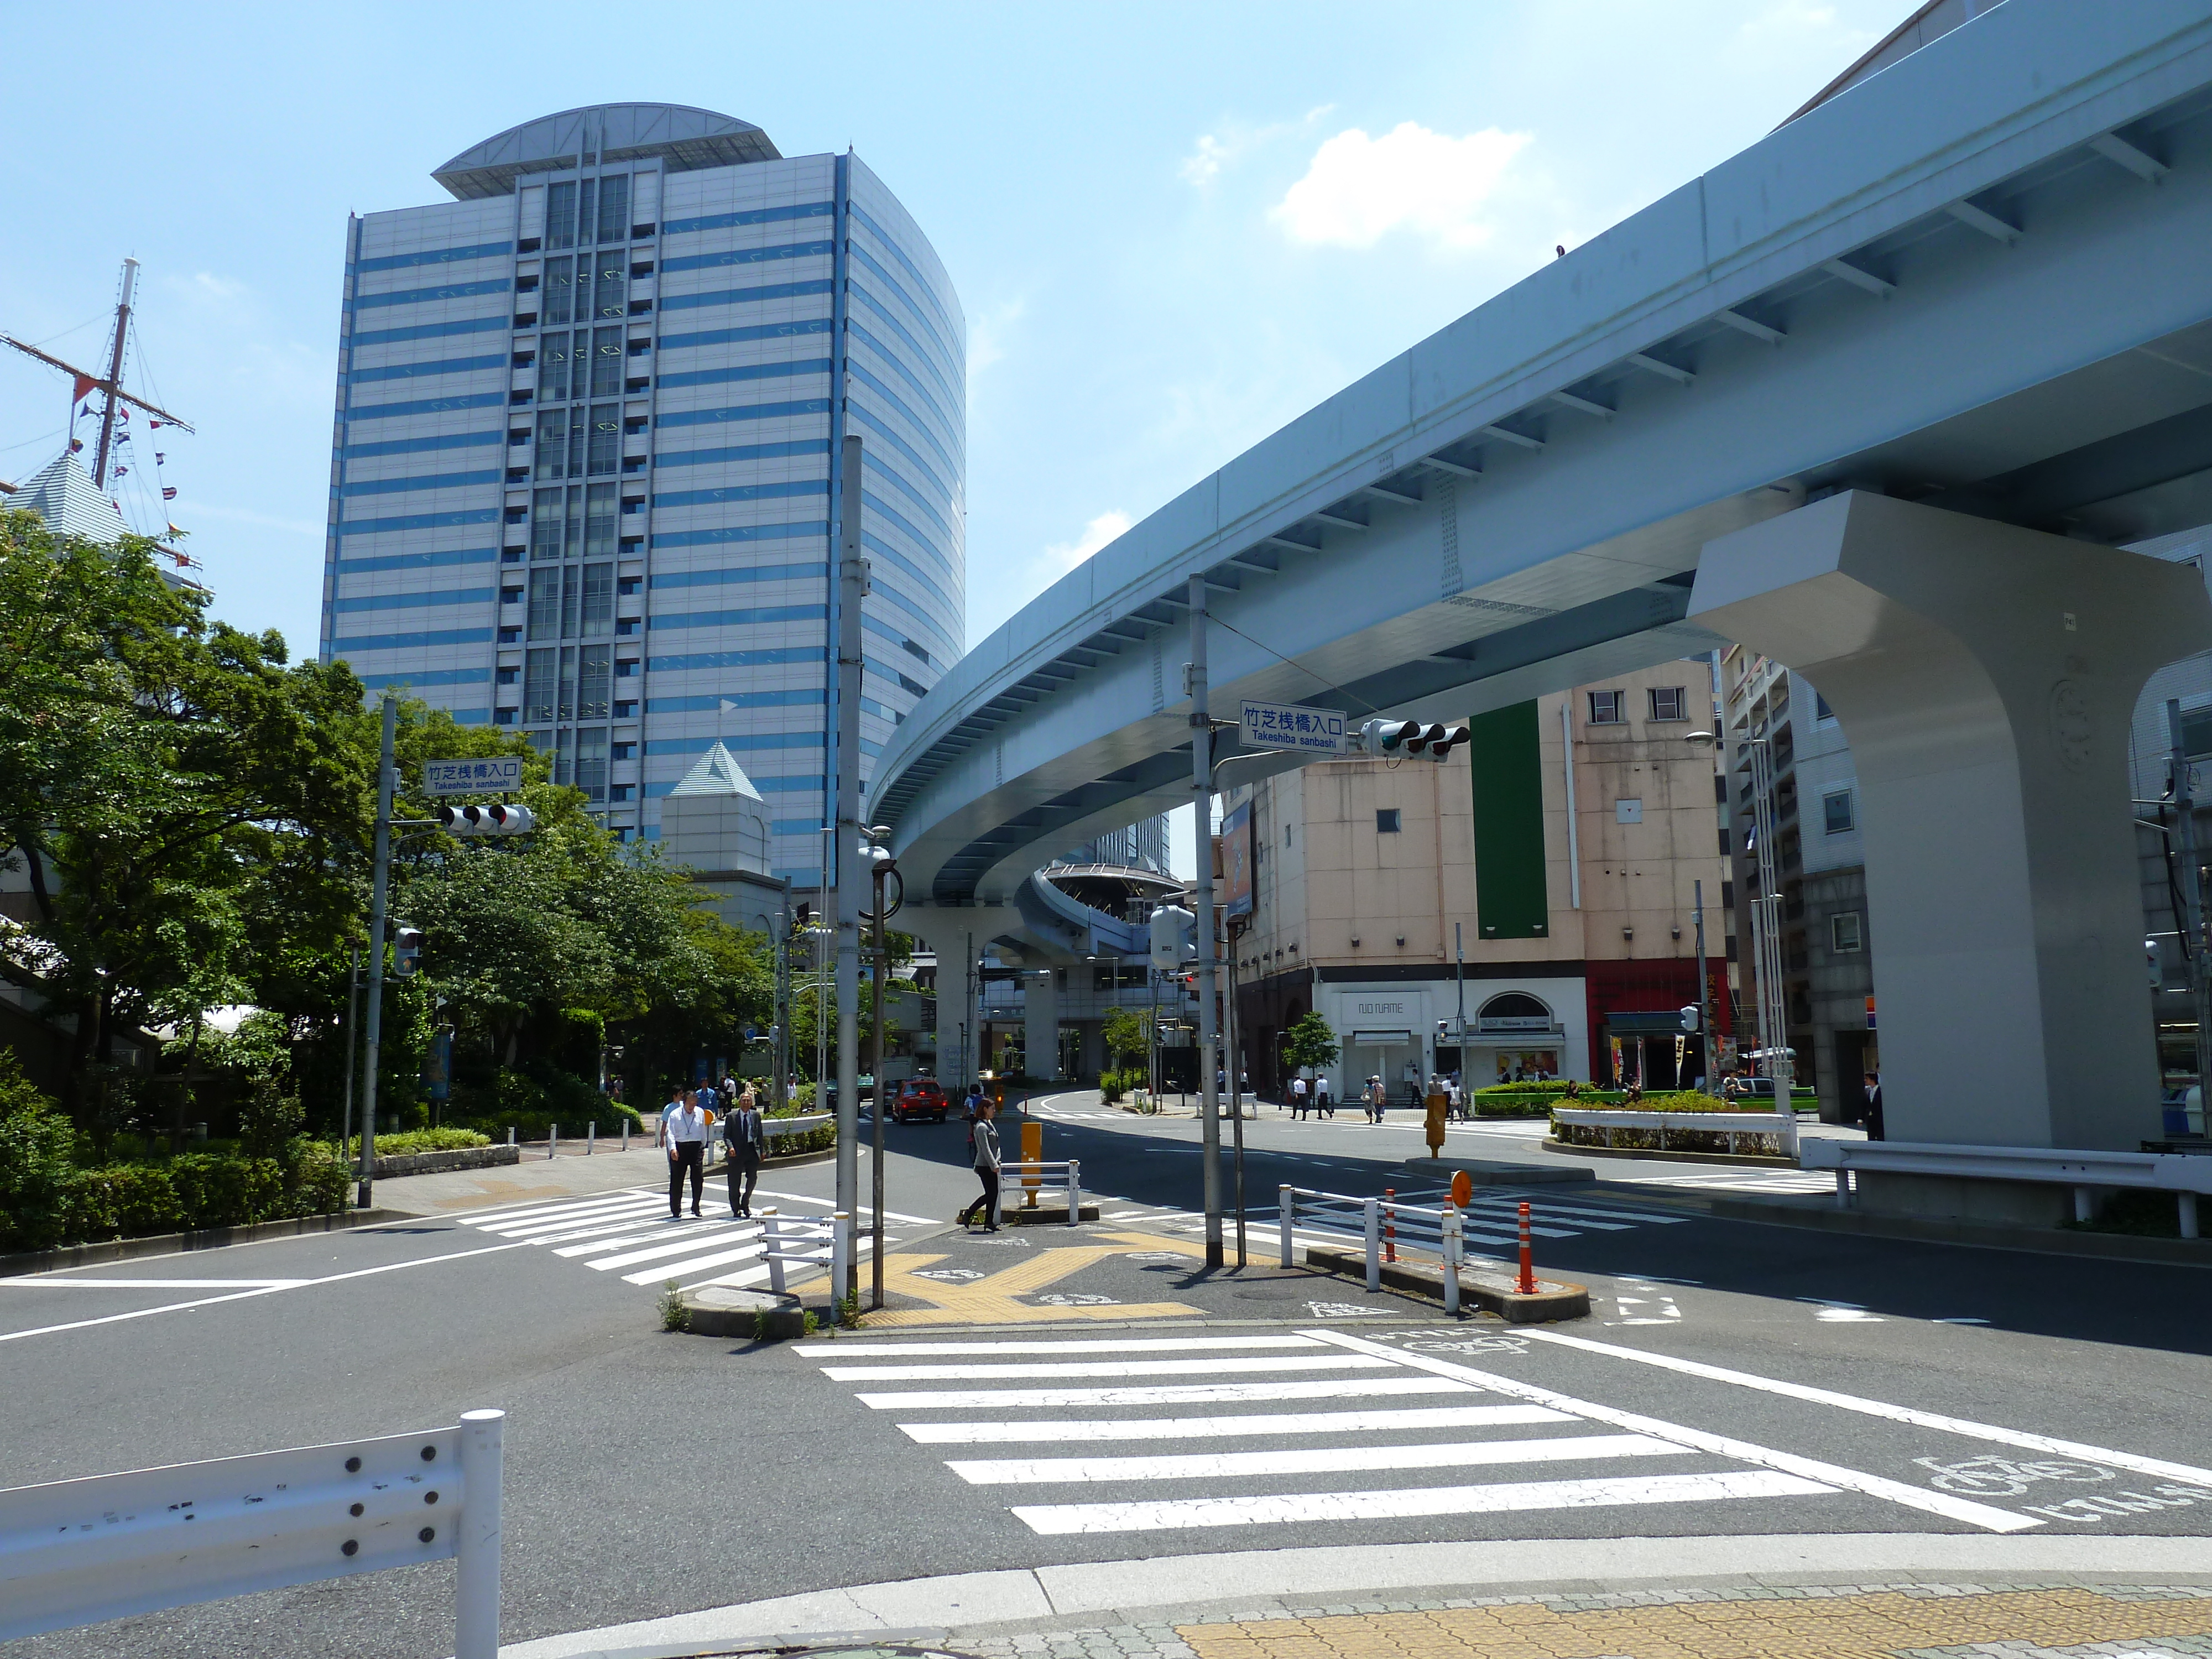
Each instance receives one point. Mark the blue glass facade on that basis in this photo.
(662, 500)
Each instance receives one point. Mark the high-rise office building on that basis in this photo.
(586, 458)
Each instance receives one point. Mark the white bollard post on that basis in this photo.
(772, 1236)
(1074, 1195)
(2085, 1207)
(1286, 1199)
(2188, 1206)
(552, 1140)
(1374, 1219)
(475, 1599)
(841, 1252)
(592, 1138)
(625, 1145)
(1450, 1253)
(510, 1134)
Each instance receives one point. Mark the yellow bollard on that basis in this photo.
(1435, 1125)
(1032, 1155)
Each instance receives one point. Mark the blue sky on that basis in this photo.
(1174, 227)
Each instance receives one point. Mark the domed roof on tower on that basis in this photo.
(685, 139)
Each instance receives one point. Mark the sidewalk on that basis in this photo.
(1879, 1595)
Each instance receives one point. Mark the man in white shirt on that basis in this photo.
(1298, 1098)
(684, 1132)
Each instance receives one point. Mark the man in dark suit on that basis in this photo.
(746, 1138)
(1872, 1118)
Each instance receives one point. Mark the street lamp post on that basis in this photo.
(881, 865)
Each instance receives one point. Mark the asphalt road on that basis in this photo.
(650, 1474)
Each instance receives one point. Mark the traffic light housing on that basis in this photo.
(1407, 738)
(1690, 1019)
(1174, 937)
(407, 951)
(501, 818)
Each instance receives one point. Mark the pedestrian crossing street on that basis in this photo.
(631, 1233)
(1491, 1220)
(1257, 1431)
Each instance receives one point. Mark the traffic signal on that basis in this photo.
(407, 951)
(1690, 1017)
(1409, 737)
(1174, 937)
(501, 819)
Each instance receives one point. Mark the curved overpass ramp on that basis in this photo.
(1975, 279)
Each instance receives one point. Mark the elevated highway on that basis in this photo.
(1976, 281)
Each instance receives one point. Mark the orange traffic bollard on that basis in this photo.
(1032, 1156)
(1390, 1225)
(1528, 1284)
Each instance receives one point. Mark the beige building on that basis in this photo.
(1557, 854)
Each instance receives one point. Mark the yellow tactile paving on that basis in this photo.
(1878, 1624)
(992, 1300)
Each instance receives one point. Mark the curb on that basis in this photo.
(208, 1238)
(1045, 1215)
(1271, 1583)
(1554, 1301)
(458, 1158)
(1756, 1160)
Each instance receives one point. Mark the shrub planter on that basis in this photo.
(465, 1158)
(207, 1238)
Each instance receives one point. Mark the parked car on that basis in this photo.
(919, 1097)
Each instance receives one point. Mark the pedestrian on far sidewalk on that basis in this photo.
(986, 1138)
(1298, 1098)
(684, 1132)
(1322, 1104)
(1872, 1117)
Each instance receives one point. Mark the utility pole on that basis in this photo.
(379, 884)
(1209, 976)
(1705, 981)
(845, 843)
(353, 1014)
(880, 860)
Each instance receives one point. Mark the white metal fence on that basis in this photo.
(1382, 1228)
(1032, 1177)
(82, 1552)
(808, 1242)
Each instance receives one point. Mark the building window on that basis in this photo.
(1822, 714)
(560, 292)
(1605, 708)
(1667, 703)
(545, 604)
(1837, 810)
(1844, 932)
(1386, 821)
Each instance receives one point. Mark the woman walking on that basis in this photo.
(986, 1169)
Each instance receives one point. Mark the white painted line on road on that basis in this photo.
(1834, 1474)
(1112, 1344)
(865, 1209)
(1166, 1394)
(697, 1240)
(698, 1265)
(1204, 1428)
(1958, 1425)
(156, 1283)
(1613, 1491)
(743, 1277)
(580, 1215)
(1099, 1368)
(563, 1235)
(572, 1203)
(240, 1296)
(1310, 1460)
(661, 1231)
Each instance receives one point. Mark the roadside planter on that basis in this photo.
(1774, 1134)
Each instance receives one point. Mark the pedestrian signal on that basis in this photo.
(1174, 937)
(1690, 1017)
(407, 951)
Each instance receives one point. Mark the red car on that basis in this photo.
(919, 1097)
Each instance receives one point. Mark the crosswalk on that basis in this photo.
(631, 1233)
(1335, 1412)
(1743, 1181)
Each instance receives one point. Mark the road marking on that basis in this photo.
(1100, 1368)
(1833, 1474)
(43, 1283)
(603, 1217)
(865, 1210)
(662, 1272)
(1203, 1428)
(682, 1234)
(1166, 1394)
(996, 1300)
(1053, 1519)
(1113, 1345)
(570, 1205)
(1962, 1426)
(699, 1240)
(240, 1296)
(1312, 1460)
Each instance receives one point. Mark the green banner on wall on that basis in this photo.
(1506, 763)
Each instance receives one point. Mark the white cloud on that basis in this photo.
(1359, 188)
(1216, 151)
(986, 334)
(1063, 556)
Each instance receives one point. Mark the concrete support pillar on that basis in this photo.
(1985, 677)
(1041, 1024)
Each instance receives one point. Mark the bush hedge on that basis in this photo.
(1678, 1140)
(408, 1141)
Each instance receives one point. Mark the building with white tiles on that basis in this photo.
(585, 460)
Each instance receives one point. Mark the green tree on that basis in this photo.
(1309, 1042)
(1129, 1035)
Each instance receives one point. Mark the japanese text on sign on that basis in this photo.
(1294, 726)
(498, 775)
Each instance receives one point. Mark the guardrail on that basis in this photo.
(790, 1238)
(82, 1552)
(2185, 1174)
(1384, 1226)
(1033, 1173)
(1782, 1125)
